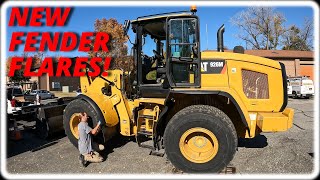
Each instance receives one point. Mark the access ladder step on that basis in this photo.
(146, 133)
(146, 116)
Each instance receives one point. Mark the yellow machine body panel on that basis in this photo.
(258, 86)
(149, 100)
(255, 83)
(266, 121)
(104, 103)
(114, 107)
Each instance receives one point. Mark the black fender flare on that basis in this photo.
(96, 108)
(243, 119)
(221, 93)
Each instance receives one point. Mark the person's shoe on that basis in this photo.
(96, 154)
(82, 161)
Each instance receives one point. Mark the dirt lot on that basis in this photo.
(286, 152)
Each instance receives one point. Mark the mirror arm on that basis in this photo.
(130, 40)
(110, 82)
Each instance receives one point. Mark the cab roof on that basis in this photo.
(160, 17)
(155, 24)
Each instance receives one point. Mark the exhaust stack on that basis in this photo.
(220, 38)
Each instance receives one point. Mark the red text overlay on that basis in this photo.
(54, 42)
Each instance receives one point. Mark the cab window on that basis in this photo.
(183, 50)
(182, 37)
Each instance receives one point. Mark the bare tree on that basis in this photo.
(297, 38)
(261, 27)
(307, 33)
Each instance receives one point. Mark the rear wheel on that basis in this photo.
(71, 119)
(200, 139)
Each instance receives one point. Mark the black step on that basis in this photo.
(146, 116)
(144, 132)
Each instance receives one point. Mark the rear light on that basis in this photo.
(13, 103)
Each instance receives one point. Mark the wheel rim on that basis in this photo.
(74, 121)
(198, 145)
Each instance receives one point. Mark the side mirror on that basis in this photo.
(126, 26)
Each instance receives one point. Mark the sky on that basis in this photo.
(82, 19)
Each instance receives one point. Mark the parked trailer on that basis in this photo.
(302, 86)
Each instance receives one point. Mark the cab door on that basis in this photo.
(183, 52)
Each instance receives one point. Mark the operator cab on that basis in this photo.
(166, 52)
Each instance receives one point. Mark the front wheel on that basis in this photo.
(200, 139)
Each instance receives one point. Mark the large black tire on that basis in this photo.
(207, 117)
(77, 106)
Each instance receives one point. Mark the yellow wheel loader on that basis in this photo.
(194, 105)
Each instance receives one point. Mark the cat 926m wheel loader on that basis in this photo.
(195, 104)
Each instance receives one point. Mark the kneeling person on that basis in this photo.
(85, 142)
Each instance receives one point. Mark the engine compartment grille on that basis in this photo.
(255, 84)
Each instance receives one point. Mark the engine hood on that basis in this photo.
(209, 55)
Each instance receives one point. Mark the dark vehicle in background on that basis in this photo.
(43, 94)
(15, 91)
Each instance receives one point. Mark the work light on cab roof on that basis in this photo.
(193, 9)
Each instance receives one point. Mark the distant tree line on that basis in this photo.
(264, 28)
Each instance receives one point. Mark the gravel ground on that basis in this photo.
(268, 153)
